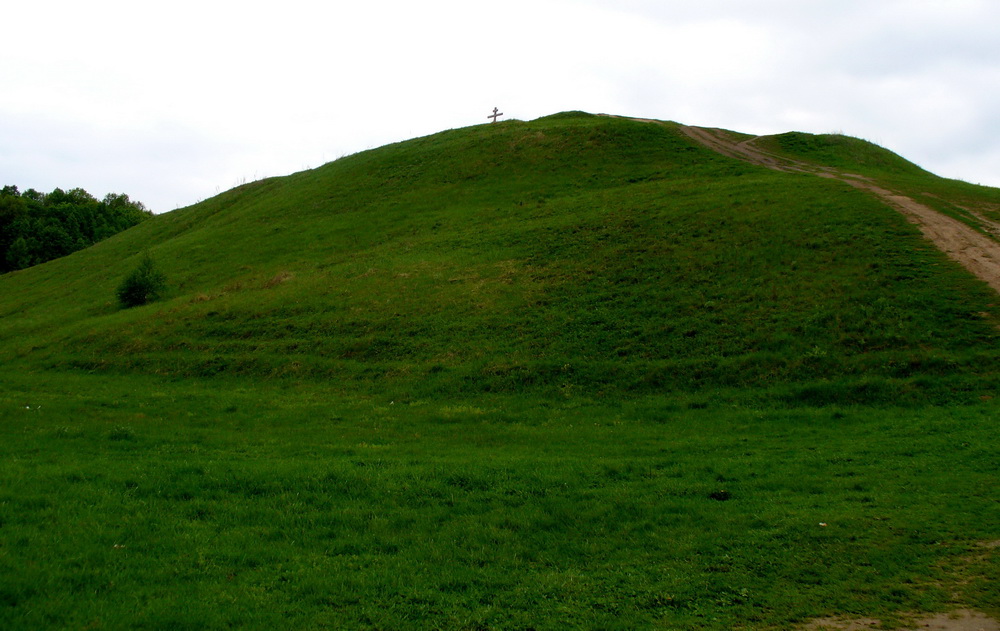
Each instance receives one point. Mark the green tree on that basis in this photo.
(19, 254)
(55, 240)
(12, 211)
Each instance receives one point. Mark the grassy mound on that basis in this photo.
(573, 253)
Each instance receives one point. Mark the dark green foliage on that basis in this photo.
(143, 285)
(35, 228)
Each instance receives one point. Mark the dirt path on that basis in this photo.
(961, 620)
(977, 252)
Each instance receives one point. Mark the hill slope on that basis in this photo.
(573, 254)
(967, 237)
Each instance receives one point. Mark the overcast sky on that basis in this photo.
(174, 102)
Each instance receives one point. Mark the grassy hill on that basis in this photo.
(571, 253)
(578, 372)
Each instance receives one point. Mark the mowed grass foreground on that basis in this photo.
(574, 373)
(147, 504)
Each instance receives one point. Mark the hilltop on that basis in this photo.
(574, 252)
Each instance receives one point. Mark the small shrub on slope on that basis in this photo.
(142, 285)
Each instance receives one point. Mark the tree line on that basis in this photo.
(37, 227)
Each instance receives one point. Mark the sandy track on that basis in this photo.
(974, 250)
(961, 620)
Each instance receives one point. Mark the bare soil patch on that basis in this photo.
(961, 620)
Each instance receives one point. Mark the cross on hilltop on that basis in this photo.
(496, 114)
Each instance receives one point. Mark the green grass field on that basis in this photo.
(571, 373)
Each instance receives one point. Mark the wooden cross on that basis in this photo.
(496, 113)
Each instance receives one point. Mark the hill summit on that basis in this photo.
(575, 254)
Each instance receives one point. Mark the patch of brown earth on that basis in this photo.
(962, 620)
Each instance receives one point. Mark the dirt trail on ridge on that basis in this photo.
(977, 252)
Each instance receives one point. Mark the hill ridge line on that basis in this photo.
(976, 252)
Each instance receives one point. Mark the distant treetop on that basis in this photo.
(37, 227)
